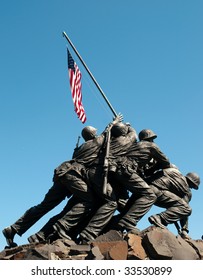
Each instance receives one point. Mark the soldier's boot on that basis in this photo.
(36, 238)
(184, 234)
(9, 233)
(61, 232)
(157, 221)
(82, 241)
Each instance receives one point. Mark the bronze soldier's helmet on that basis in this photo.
(89, 132)
(119, 129)
(194, 179)
(147, 134)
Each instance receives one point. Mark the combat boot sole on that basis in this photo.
(156, 220)
(9, 234)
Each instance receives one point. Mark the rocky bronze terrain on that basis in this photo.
(152, 243)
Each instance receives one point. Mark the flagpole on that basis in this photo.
(87, 69)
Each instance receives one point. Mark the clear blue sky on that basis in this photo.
(147, 57)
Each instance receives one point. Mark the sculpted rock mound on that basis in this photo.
(152, 243)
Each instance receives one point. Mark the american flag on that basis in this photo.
(76, 87)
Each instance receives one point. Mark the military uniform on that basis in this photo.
(126, 173)
(109, 199)
(91, 155)
(88, 155)
(68, 180)
(173, 193)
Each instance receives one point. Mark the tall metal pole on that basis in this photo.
(94, 80)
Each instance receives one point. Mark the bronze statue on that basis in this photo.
(91, 155)
(173, 193)
(69, 179)
(127, 172)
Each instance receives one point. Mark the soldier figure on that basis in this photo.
(90, 154)
(127, 172)
(173, 191)
(92, 230)
(69, 179)
(193, 181)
